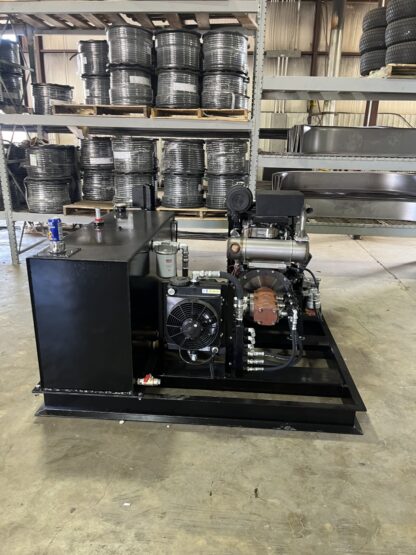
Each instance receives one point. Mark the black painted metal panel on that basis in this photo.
(82, 319)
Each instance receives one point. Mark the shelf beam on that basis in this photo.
(128, 6)
(317, 162)
(158, 127)
(337, 88)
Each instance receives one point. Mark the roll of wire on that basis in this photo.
(225, 50)
(182, 191)
(224, 90)
(124, 184)
(130, 86)
(96, 153)
(178, 49)
(226, 156)
(177, 89)
(218, 187)
(45, 93)
(98, 185)
(10, 57)
(49, 162)
(47, 196)
(130, 45)
(11, 90)
(133, 154)
(93, 57)
(97, 89)
(183, 156)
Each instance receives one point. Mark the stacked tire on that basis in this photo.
(401, 32)
(373, 41)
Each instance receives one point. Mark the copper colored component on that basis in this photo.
(235, 248)
(265, 308)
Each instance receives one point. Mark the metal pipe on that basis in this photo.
(277, 250)
(335, 53)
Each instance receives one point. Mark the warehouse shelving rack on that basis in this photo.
(93, 16)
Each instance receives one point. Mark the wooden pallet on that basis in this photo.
(201, 113)
(198, 213)
(396, 71)
(87, 207)
(101, 110)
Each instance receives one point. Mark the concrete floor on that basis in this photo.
(88, 487)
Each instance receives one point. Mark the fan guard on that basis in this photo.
(192, 325)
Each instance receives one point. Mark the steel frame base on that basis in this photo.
(331, 406)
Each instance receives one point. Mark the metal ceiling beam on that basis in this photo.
(128, 6)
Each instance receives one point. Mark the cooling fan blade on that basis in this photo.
(193, 324)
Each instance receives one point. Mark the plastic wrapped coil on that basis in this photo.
(98, 185)
(183, 156)
(50, 161)
(45, 93)
(10, 57)
(218, 187)
(130, 45)
(224, 91)
(133, 154)
(182, 191)
(180, 49)
(97, 89)
(92, 57)
(47, 196)
(225, 50)
(130, 86)
(125, 182)
(226, 156)
(177, 89)
(96, 152)
(11, 87)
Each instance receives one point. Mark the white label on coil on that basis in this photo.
(87, 92)
(186, 87)
(84, 60)
(138, 80)
(121, 155)
(156, 43)
(101, 160)
(32, 159)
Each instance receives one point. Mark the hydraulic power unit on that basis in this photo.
(121, 332)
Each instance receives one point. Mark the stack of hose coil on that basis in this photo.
(226, 167)
(93, 68)
(183, 168)
(50, 177)
(225, 70)
(11, 76)
(178, 54)
(131, 58)
(135, 164)
(45, 94)
(97, 168)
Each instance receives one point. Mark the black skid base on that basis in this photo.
(308, 397)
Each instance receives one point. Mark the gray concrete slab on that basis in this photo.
(88, 487)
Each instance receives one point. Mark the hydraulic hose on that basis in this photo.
(292, 358)
(238, 287)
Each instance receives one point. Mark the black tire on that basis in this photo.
(404, 53)
(400, 9)
(374, 19)
(402, 30)
(372, 60)
(374, 39)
